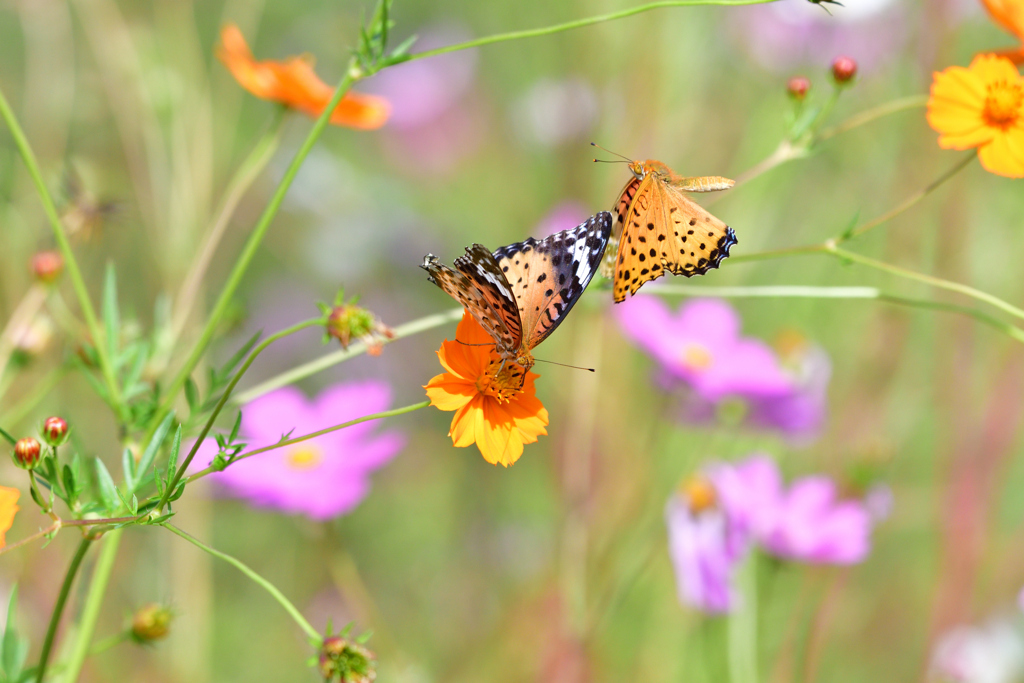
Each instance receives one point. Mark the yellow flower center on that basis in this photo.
(697, 357)
(503, 380)
(1003, 103)
(699, 494)
(304, 457)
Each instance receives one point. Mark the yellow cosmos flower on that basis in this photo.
(293, 83)
(1010, 15)
(492, 410)
(981, 106)
(8, 508)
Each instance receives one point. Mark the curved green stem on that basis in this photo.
(251, 246)
(869, 115)
(306, 437)
(266, 585)
(305, 370)
(93, 603)
(578, 23)
(224, 399)
(74, 272)
(58, 608)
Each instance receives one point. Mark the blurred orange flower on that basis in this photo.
(492, 409)
(295, 84)
(1010, 15)
(981, 106)
(8, 508)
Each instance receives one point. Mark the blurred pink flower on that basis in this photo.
(701, 344)
(712, 527)
(565, 215)
(322, 478)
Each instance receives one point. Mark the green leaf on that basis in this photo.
(13, 649)
(146, 461)
(70, 484)
(172, 460)
(36, 497)
(108, 492)
(111, 316)
(400, 52)
(7, 436)
(192, 396)
(162, 518)
(128, 466)
(235, 428)
(851, 226)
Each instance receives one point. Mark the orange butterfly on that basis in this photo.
(660, 229)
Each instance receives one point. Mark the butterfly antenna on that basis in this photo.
(468, 344)
(624, 158)
(564, 365)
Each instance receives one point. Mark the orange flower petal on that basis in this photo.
(1005, 154)
(295, 84)
(1007, 13)
(990, 68)
(447, 392)
(8, 508)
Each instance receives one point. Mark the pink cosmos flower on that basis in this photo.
(712, 528)
(323, 477)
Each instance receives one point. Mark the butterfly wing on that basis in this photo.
(479, 285)
(548, 276)
(666, 231)
(620, 212)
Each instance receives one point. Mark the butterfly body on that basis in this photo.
(662, 230)
(521, 292)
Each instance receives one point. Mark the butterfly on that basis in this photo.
(662, 230)
(520, 293)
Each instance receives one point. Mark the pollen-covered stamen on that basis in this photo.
(699, 494)
(304, 457)
(696, 357)
(503, 380)
(1004, 103)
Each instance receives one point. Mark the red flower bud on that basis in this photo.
(47, 266)
(26, 453)
(345, 661)
(843, 70)
(797, 87)
(54, 431)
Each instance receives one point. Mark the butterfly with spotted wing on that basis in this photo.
(520, 293)
(662, 230)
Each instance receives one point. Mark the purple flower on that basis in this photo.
(323, 477)
(713, 524)
(701, 345)
(703, 560)
(565, 215)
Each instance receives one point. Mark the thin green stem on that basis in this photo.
(93, 603)
(742, 627)
(224, 399)
(301, 372)
(109, 642)
(58, 608)
(777, 253)
(239, 184)
(266, 585)
(927, 279)
(911, 200)
(251, 247)
(306, 437)
(578, 23)
(1011, 331)
(74, 273)
(869, 115)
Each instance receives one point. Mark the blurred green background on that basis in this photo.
(554, 569)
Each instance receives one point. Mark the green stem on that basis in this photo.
(251, 247)
(927, 279)
(911, 200)
(1010, 330)
(269, 587)
(578, 23)
(869, 115)
(742, 627)
(242, 180)
(301, 372)
(109, 642)
(224, 399)
(776, 253)
(306, 437)
(93, 603)
(58, 609)
(74, 273)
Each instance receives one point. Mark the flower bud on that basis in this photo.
(347, 321)
(47, 266)
(346, 662)
(151, 622)
(797, 87)
(26, 453)
(54, 431)
(843, 70)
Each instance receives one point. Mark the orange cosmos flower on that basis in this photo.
(8, 507)
(492, 410)
(293, 83)
(1010, 15)
(981, 106)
